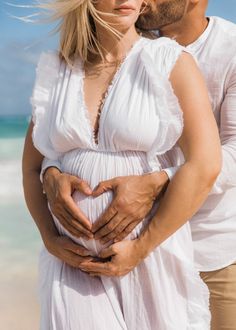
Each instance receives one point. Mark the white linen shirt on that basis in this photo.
(214, 225)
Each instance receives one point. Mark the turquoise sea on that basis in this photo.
(19, 239)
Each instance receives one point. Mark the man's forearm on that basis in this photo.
(227, 177)
(184, 196)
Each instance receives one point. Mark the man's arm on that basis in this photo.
(227, 177)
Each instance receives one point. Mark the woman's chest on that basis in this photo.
(95, 85)
(128, 117)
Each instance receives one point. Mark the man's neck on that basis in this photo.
(185, 31)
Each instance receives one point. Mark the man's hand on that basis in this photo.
(59, 188)
(133, 200)
(66, 250)
(123, 257)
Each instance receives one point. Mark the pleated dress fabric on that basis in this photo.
(141, 119)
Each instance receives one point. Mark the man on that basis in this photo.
(213, 42)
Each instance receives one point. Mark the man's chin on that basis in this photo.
(145, 26)
(148, 28)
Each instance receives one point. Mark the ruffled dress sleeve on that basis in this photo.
(159, 58)
(47, 74)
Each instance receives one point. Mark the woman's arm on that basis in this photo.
(61, 247)
(200, 145)
(190, 186)
(35, 199)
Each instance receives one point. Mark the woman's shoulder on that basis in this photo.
(47, 72)
(163, 53)
(49, 62)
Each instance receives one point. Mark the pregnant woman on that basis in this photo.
(106, 106)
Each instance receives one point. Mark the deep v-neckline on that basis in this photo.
(92, 130)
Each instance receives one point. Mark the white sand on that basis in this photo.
(19, 308)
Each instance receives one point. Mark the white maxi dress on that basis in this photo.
(140, 120)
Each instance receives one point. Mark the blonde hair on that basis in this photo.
(77, 20)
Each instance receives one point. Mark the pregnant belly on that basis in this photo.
(95, 167)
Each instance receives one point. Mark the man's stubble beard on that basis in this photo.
(162, 14)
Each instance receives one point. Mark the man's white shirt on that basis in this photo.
(214, 225)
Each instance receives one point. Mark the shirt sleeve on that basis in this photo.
(171, 171)
(227, 177)
(49, 163)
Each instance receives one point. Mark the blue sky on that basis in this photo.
(20, 46)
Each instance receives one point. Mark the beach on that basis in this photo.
(19, 238)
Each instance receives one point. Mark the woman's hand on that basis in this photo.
(123, 257)
(59, 188)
